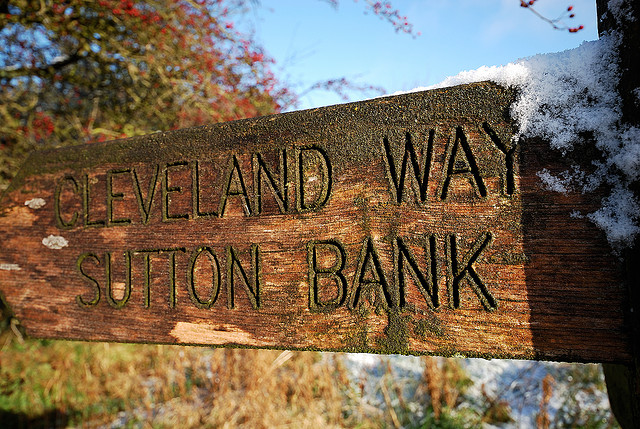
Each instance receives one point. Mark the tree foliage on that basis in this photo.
(78, 71)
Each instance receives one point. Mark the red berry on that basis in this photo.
(572, 15)
(570, 8)
(581, 27)
(531, 2)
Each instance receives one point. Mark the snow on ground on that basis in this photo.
(516, 382)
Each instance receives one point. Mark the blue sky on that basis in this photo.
(311, 41)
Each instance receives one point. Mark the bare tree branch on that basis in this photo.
(42, 71)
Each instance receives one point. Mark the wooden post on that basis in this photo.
(623, 381)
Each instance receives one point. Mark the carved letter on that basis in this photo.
(253, 292)
(509, 157)
(146, 292)
(308, 173)
(96, 287)
(278, 190)
(172, 274)
(457, 270)
(451, 166)
(86, 200)
(62, 224)
(195, 179)
(118, 303)
(234, 166)
(111, 197)
(375, 287)
(166, 190)
(333, 273)
(428, 285)
(215, 278)
(145, 204)
(420, 173)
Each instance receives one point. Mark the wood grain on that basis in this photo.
(409, 224)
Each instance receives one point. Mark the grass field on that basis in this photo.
(56, 384)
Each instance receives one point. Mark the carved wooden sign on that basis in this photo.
(407, 224)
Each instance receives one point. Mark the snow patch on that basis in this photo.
(621, 10)
(517, 383)
(561, 183)
(55, 242)
(561, 94)
(570, 99)
(10, 267)
(618, 216)
(35, 203)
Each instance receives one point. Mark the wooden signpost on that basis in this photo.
(413, 224)
(407, 224)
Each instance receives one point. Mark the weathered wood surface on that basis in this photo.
(407, 224)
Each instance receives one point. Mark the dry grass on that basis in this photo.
(51, 384)
(58, 383)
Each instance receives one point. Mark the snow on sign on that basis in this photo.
(409, 224)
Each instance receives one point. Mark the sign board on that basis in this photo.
(407, 224)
